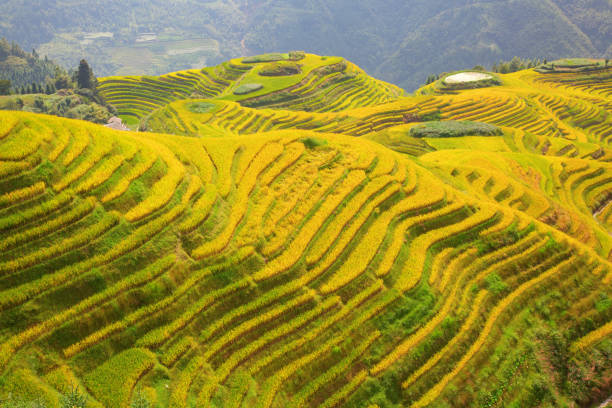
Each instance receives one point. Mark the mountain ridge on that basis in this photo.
(370, 33)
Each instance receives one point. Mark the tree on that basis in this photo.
(140, 401)
(74, 399)
(5, 87)
(85, 77)
(430, 79)
(516, 64)
(62, 81)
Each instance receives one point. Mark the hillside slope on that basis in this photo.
(266, 256)
(317, 84)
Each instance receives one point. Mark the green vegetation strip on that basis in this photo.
(454, 129)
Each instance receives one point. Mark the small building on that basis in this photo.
(116, 123)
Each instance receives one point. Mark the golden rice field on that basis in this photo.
(299, 248)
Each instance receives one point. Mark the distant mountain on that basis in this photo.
(397, 40)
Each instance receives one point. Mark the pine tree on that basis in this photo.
(84, 75)
(5, 87)
(62, 81)
(140, 401)
(74, 399)
(515, 65)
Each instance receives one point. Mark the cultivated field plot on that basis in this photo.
(310, 245)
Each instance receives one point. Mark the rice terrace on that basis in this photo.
(288, 231)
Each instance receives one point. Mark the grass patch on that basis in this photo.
(201, 107)
(571, 65)
(247, 88)
(280, 69)
(313, 142)
(454, 129)
(274, 56)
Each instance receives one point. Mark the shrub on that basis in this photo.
(274, 56)
(495, 284)
(140, 401)
(247, 88)
(313, 142)
(74, 399)
(201, 107)
(297, 55)
(431, 116)
(280, 69)
(452, 128)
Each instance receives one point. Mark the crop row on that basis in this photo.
(296, 248)
(161, 192)
(27, 215)
(246, 186)
(60, 247)
(340, 222)
(365, 251)
(78, 212)
(148, 310)
(22, 194)
(500, 308)
(272, 385)
(413, 268)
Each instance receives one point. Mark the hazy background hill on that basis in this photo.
(397, 40)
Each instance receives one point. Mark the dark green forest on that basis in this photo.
(23, 69)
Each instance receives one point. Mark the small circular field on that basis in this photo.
(467, 77)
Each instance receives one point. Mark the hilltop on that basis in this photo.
(287, 231)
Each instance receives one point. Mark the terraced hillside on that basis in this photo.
(312, 252)
(319, 84)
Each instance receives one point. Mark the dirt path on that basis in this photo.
(602, 209)
(598, 221)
